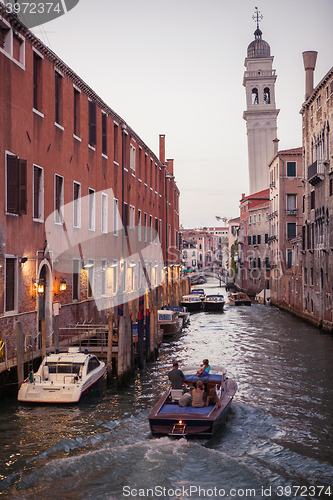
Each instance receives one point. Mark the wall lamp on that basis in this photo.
(23, 260)
(63, 285)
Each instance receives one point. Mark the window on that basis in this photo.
(104, 134)
(156, 230)
(254, 218)
(151, 229)
(115, 216)
(291, 169)
(132, 157)
(313, 199)
(76, 130)
(58, 97)
(139, 225)
(58, 198)
(104, 213)
(115, 142)
(250, 219)
(259, 263)
(255, 98)
(16, 185)
(76, 204)
(145, 226)
(267, 97)
(11, 284)
(331, 186)
(37, 76)
(92, 123)
(90, 278)
(291, 202)
(259, 239)
(291, 230)
(132, 217)
(91, 209)
(254, 239)
(103, 278)
(76, 275)
(38, 212)
(289, 258)
(249, 240)
(259, 217)
(303, 203)
(318, 102)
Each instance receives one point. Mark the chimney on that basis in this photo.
(170, 166)
(162, 148)
(309, 59)
(276, 145)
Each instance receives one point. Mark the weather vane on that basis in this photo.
(257, 17)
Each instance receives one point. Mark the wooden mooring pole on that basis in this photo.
(20, 353)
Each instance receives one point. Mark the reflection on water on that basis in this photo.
(279, 431)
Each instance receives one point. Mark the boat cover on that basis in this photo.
(169, 408)
(215, 377)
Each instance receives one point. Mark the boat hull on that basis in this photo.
(214, 306)
(39, 392)
(192, 306)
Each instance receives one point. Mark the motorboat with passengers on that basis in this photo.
(169, 418)
(64, 377)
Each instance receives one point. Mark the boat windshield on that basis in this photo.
(165, 317)
(64, 367)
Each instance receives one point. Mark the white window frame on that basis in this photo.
(132, 217)
(57, 219)
(145, 228)
(115, 216)
(104, 213)
(91, 209)
(139, 225)
(132, 157)
(77, 206)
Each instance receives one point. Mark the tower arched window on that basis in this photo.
(267, 96)
(255, 97)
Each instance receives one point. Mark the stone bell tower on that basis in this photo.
(261, 113)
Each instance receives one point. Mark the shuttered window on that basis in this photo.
(10, 284)
(16, 185)
(104, 134)
(92, 123)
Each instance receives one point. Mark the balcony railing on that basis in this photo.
(316, 172)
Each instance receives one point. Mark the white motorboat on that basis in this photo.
(169, 322)
(64, 377)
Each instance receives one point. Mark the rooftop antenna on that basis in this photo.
(257, 17)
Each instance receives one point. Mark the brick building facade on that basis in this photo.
(86, 207)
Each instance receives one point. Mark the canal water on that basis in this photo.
(277, 442)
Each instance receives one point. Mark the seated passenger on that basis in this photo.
(198, 395)
(186, 398)
(213, 399)
(204, 369)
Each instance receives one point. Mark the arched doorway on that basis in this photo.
(44, 303)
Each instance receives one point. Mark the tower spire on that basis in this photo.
(257, 17)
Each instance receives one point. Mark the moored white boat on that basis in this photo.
(64, 377)
(182, 311)
(214, 303)
(192, 302)
(169, 322)
(239, 299)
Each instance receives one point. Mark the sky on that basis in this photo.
(176, 67)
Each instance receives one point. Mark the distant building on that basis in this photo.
(317, 204)
(285, 219)
(211, 244)
(252, 259)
